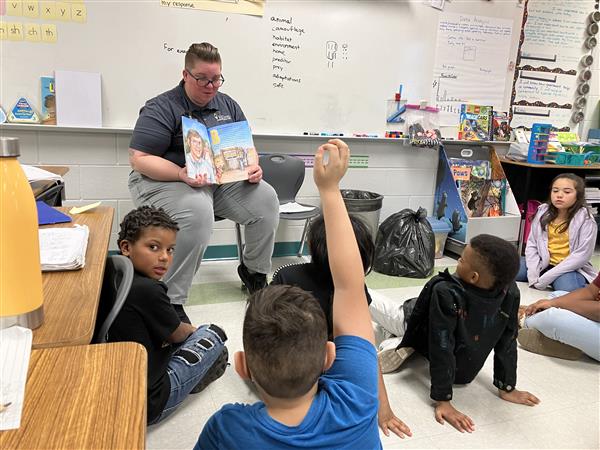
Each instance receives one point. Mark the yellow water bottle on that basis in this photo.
(20, 272)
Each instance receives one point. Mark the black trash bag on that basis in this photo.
(405, 245)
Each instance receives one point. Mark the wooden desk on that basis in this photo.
(532, 181)
(71, 297)
(58, 170)
(84, 397)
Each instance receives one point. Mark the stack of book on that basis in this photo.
(592, 198)
(482, 123)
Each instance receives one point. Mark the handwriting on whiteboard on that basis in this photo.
(286, 43)
(470, 64)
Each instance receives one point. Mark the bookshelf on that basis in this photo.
(453, 207)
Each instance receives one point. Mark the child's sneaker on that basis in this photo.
(536, 342)
(390, 343)
(216, 371)
(391, 359)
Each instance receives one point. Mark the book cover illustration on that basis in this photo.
(198, 152)
(501, 126)
(481, 194)
(465, 169)
(233, 150)
(475, 123)
(48, 101)
(483, 198)
(218, 154)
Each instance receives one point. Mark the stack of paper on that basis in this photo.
(293, 207)
(36, 174)
(15, 349)
(63, 248)
(592, 193)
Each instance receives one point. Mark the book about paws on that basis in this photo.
(220, 154)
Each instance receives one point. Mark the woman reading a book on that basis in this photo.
(159, 177)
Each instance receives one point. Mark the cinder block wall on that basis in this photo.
(99, 168)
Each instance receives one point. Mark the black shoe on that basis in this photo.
(181, 313)
(216, 371)
(252, 281)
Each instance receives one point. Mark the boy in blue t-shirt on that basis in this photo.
(316, 394)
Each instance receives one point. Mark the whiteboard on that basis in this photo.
(342, 59)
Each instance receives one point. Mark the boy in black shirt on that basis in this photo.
(459, 319)
(315, 277)
(182, 359)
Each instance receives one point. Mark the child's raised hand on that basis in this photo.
(327, 176)
(520, 397)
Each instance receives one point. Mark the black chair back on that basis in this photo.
(285, 173)
(52, 196)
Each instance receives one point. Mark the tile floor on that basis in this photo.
(568, 416)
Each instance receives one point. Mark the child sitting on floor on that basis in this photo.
(565, 325)
(182, 359)
(562, 238)
(315, 278)
(316, 394)
(459, 319)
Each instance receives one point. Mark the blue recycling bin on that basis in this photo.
(440, 228)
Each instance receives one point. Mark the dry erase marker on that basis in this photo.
(365, 135)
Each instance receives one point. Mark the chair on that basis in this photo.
(52, 196)
(118, 276)
(238, 237)
(286, 174)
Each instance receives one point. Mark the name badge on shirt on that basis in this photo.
(222, 117)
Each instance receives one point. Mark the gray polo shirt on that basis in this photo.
(158, 128)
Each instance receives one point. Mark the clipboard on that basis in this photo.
(48, 215)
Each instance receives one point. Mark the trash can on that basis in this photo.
(440, 229)
(365, 205)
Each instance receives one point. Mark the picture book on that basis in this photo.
(483, 198)
(465, 169)
(48, 100)
(220, 154)
(481, 195)
(501, 127)
(475, 123)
